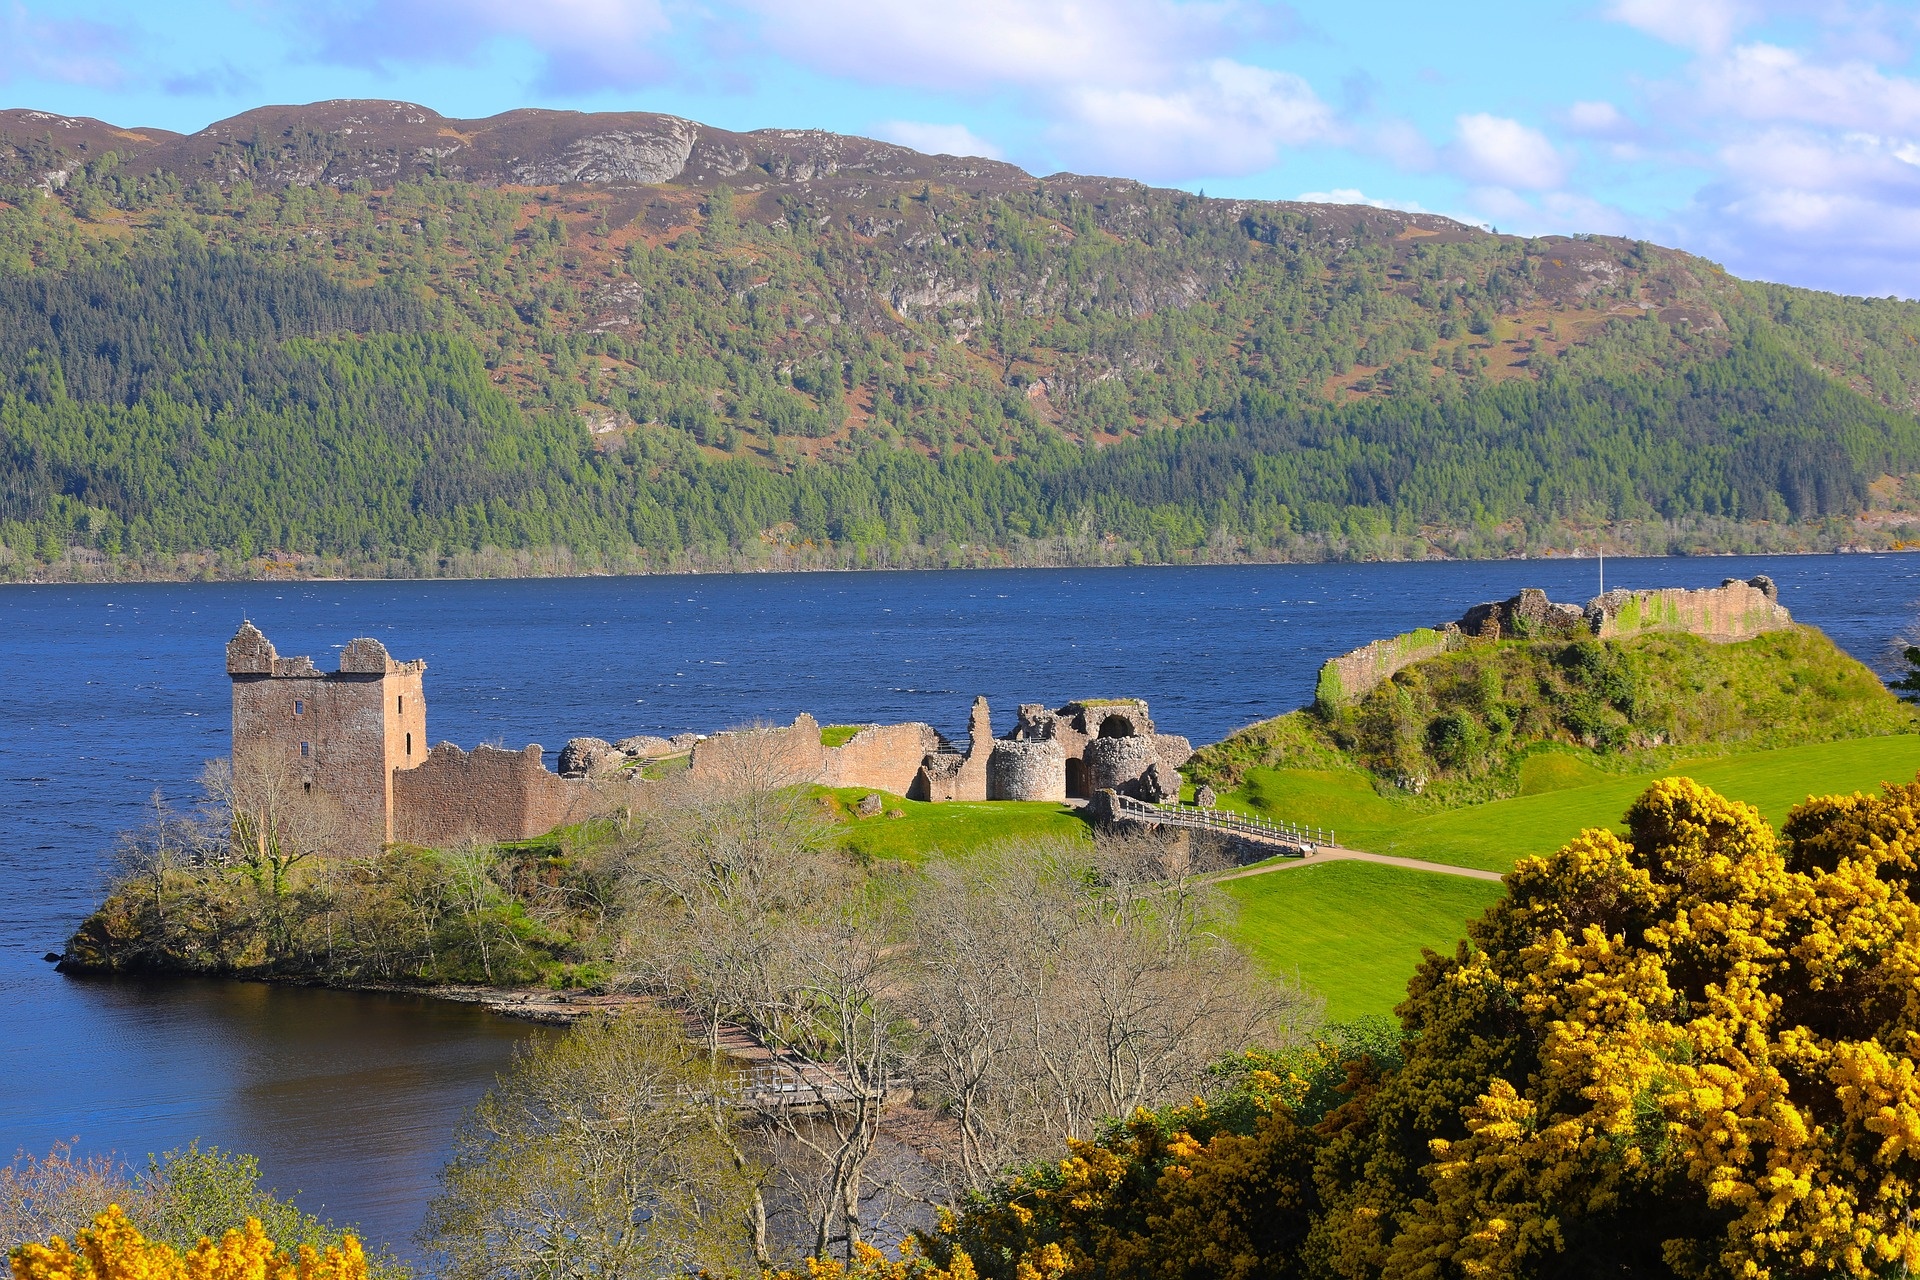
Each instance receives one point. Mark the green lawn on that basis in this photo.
(1353, 930)
(952, 827)
(1567, 795)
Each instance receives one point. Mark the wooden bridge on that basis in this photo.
(1283, 837)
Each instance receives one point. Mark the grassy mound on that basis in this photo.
(1469, 726)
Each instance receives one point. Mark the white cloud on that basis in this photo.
(1703, 25)
(68, 50)
(1767, 82)
(1353, 195)
(586, 45)
(961, 44)
(1228, 119)
(1598, 120)
(1501, 152)
(1147, 88)
(1831, 210)
(938, 139)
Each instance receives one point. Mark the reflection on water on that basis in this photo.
(112, 692)
(347, 1096)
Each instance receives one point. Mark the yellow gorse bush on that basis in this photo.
(1710, 1004)
(1691, 1051)
(113, 1249)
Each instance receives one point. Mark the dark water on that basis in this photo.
(112, 692)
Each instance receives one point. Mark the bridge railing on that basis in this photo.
(1271, 830)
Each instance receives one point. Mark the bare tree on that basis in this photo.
(56, 1194)
(713, 877)
(273, 823)
(595, 1156)
(469, 867)
(1053, 992)
(829, 1018)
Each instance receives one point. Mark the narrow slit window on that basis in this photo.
(306, 749)
(399, 704)
(409, 744)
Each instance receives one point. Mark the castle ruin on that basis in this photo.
(1735, 610)
(352, 744)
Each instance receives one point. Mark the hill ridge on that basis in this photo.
(402, 342)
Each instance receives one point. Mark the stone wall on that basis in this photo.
(1353, 675)
(946, 774)
(881, 757)
(777, 755)
(1734, 610)
(487, 794)
(1117, 763)
(1027, 769)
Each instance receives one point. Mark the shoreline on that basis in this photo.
(994, 567)
(541, 1005)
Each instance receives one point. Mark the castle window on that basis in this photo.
(399, 703)
(306, 748)
(299, 707)
(409, 744)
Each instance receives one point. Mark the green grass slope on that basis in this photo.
(913, 830)
(1468, 726)
(1353, 930)
(1495, 834)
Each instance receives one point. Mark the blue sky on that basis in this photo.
(1779, 137)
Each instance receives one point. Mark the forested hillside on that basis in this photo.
(358, 336)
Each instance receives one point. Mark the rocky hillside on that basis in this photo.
(359, 334)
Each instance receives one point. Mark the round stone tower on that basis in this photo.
(1118, 762)
(1034, 769)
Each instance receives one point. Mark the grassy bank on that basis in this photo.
(1563, 794)
(1471, 725)
(1354, 931)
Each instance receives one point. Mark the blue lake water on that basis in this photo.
(113, 692)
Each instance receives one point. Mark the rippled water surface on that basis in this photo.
(112, 692)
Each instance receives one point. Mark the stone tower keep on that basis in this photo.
(334, 737)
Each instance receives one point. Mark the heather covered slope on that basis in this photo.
(360, 335)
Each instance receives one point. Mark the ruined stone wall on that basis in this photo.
(1734, 611)
(1355, 674)
(326, 744)
(1172, 749)
(1027, 769)
(970, 780)
(775, 756)
(487, 794)
(882, 757)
